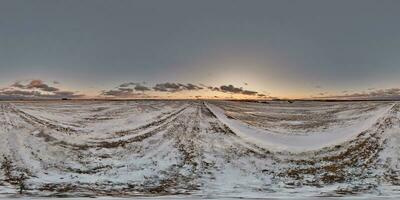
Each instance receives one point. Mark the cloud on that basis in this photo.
(233, 90)
(142, 88)
(248, 92)
(213, 88)
(175, 87)
(166, 87)
(127, 84)
(384, 94)
(138, 86)
(230, 89)
(19, 93)
(126, 91)
(39, 84)
(120, 92)
(190, 86)
(35, 89)
(35, 84)
(18, 85)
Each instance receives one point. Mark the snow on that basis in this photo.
(281, 142)
(192, 149)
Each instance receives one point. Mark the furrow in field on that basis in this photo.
(34, 121)
(7, 122)
(348, 163)
(134, 136)
(159, 120)
(299, 143)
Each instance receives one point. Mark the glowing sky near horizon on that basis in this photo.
(283, 48)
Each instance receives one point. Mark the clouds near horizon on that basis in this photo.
(132, 89)
(35, 89)
(233, 90)
(372, 94)
(39, 89)
(175, 87)
(126, 90)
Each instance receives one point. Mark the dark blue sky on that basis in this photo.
(283, 47)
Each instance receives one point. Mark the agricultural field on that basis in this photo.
(208, 149)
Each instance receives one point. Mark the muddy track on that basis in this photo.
(160, 126)
(139, 134)
(158, 121)
(6, 121)
(184, 134)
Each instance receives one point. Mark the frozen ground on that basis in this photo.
(197, 149)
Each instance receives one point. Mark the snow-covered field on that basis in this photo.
(199, 149)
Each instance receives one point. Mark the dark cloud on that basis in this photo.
(18, 85)
(233, 90)
(384, 94)
(120, 92)
(166, 87)
(175, 87)
(125, 91)
(63, 94)
(138, 86)
(19, 93)
(35, 84)
(39, 84)
(142, 88)
(127, 84)
(248, 92)
(230, 89)
(190, 86)
(213, 88)
(265, 96)
(35, 89)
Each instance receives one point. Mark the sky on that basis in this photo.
(200, 49)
